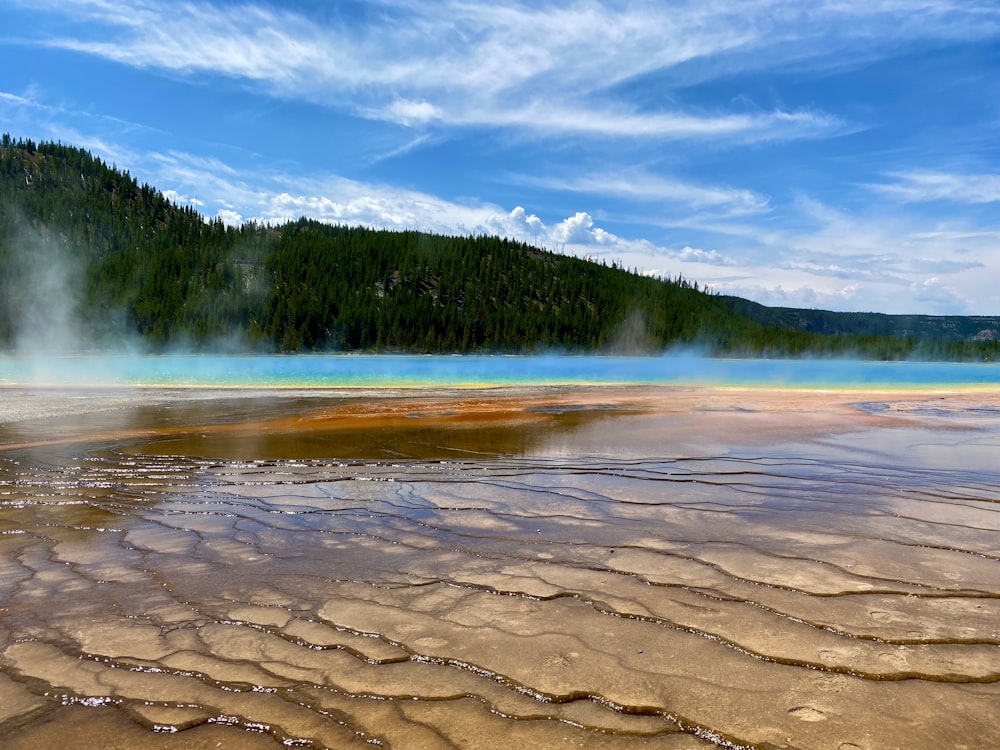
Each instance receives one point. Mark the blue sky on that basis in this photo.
(842, 155)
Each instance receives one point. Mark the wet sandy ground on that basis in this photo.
(601, 567)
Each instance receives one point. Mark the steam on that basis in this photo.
(49, 327)
(632, 336)
(44, 300)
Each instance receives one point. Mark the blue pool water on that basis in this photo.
(345, 371)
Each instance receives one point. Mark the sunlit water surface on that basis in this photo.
(346, 570)
(408, 370)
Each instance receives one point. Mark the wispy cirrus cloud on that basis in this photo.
(699, 255)
(13, 99)
(926, 186)
(548, 116)
(638, 184)
(548, 69)
(54, 119)
(869, 260)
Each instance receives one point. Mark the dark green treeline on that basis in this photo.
(88, 252)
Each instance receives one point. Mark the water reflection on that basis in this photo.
(481, 572)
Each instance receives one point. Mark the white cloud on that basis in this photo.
(182, 200)
(16, 100)
(921, 187)
(229, 217)
(212, 181)
(804, 294)
(181, 161)
(597, 119)
(641, 185)
(873, 259)
(395, 212)
(519, 223)
(406, 112)
(697, 255)
(542, 68)
(936, 295)
(580, 230)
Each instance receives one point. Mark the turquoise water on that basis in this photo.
(346, 371)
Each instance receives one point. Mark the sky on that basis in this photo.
(837, 154)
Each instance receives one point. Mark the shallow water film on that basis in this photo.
(596, 568)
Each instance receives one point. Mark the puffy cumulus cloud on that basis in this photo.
(182, 200)
(577, 231)
(522, 218)
(367, 210)
(518, 224)
(229, 217)
(580, 230)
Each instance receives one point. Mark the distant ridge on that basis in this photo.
(969, 328)
(92, 260)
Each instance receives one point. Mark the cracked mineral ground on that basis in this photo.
(602, 568)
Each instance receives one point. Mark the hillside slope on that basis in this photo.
(937, 328)
(89, 258)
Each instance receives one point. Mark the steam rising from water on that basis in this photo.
(55, 339)
(42, 294)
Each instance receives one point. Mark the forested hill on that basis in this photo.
(933, 328)
(89, 258)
